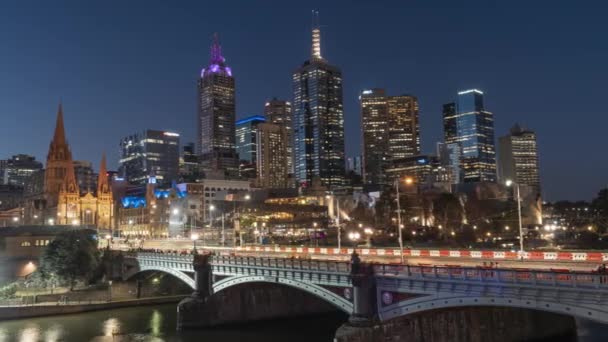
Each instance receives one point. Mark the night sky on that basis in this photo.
(119, 68)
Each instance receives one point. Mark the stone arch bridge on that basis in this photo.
(379, 293)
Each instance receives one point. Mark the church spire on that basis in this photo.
(59, 135)
(102, 179)
(316, 37)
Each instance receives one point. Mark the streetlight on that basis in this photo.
(354, 236)
(194, 237)
(108, 238)
(408, 181)
(329, 197)
(521, 231)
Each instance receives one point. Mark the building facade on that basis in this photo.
(18, 170)
(467, 123)
(272, 166)
(64, 202)
(216, 114)
(85, 175)
(518, 158)
(246, 145)
(279, 112)
(318, 120)
(390, 131)
(150, 154)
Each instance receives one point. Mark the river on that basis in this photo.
(157, 323)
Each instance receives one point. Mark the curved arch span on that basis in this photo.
(589, 311)
(177, 274)
(313, 289)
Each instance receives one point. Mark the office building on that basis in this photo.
(518, 158)
(190, 167)
(272, 167)
(85, 176)
(449, 156)
(216, 114)
(390, 131)
(18, 170)
(466, 122)
(279, 112)
(318, 120)
(148, 155)
(246, 144)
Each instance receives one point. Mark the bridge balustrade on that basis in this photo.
(562, 279)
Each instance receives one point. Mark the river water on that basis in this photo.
(157, 323)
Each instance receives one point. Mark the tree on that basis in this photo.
(447, 210)
(71, 256)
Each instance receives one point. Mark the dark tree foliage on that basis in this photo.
(71, 256)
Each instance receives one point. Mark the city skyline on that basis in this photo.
(503, 101)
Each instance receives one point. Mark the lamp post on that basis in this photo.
(521, 231)
(211, 209)
(332, 197)
(408, 181)
(194, 237)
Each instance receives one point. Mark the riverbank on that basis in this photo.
(28, 311)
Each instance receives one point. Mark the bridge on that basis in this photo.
(377, 293)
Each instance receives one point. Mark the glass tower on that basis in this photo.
(468, 124)
(246, 144)
(318, 120)
(390, 131)
(216, 114)
(279, 112)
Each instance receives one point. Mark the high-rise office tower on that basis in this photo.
(151, 154)
(246, 144)
(449, 156)
(18, 170)
(85, 176)
(518, 158)
(272, 168)
(467, 123)
(390, 131)
(216, 114)
(279, 112)
(318, 120)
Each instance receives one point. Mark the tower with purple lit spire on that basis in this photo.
(216, 114)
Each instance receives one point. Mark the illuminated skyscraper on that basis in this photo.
(518, 158)
(467, 123)
(151, 154)
(279, 112)
(216, 114)
(246, 144)
(318, 120)
(390, 131)
(271, 150)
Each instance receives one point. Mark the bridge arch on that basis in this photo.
(588, 311)
(177, 274)
(318, 291)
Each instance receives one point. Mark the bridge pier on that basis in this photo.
(190, 309)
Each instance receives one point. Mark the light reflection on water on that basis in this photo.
(157, 324)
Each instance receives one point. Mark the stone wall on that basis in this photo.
(249, 302)
(473, 324)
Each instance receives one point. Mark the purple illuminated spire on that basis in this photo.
(216, 51)
(217, 61)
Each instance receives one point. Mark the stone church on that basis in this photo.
(63, 202)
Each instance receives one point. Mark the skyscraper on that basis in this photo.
(85, 176)
(150, 154)
(18, 170)
(272, 168)
(246, 144)
(518, 158)
(318, 119)
(279, 112)
(216, 114)
(467, 123)
(390, 131)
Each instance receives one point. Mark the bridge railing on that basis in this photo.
(283, 263)
(485, 275)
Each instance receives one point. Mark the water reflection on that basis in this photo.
(111, 327)
(54, 334)
(30, 333)
(156, 323)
